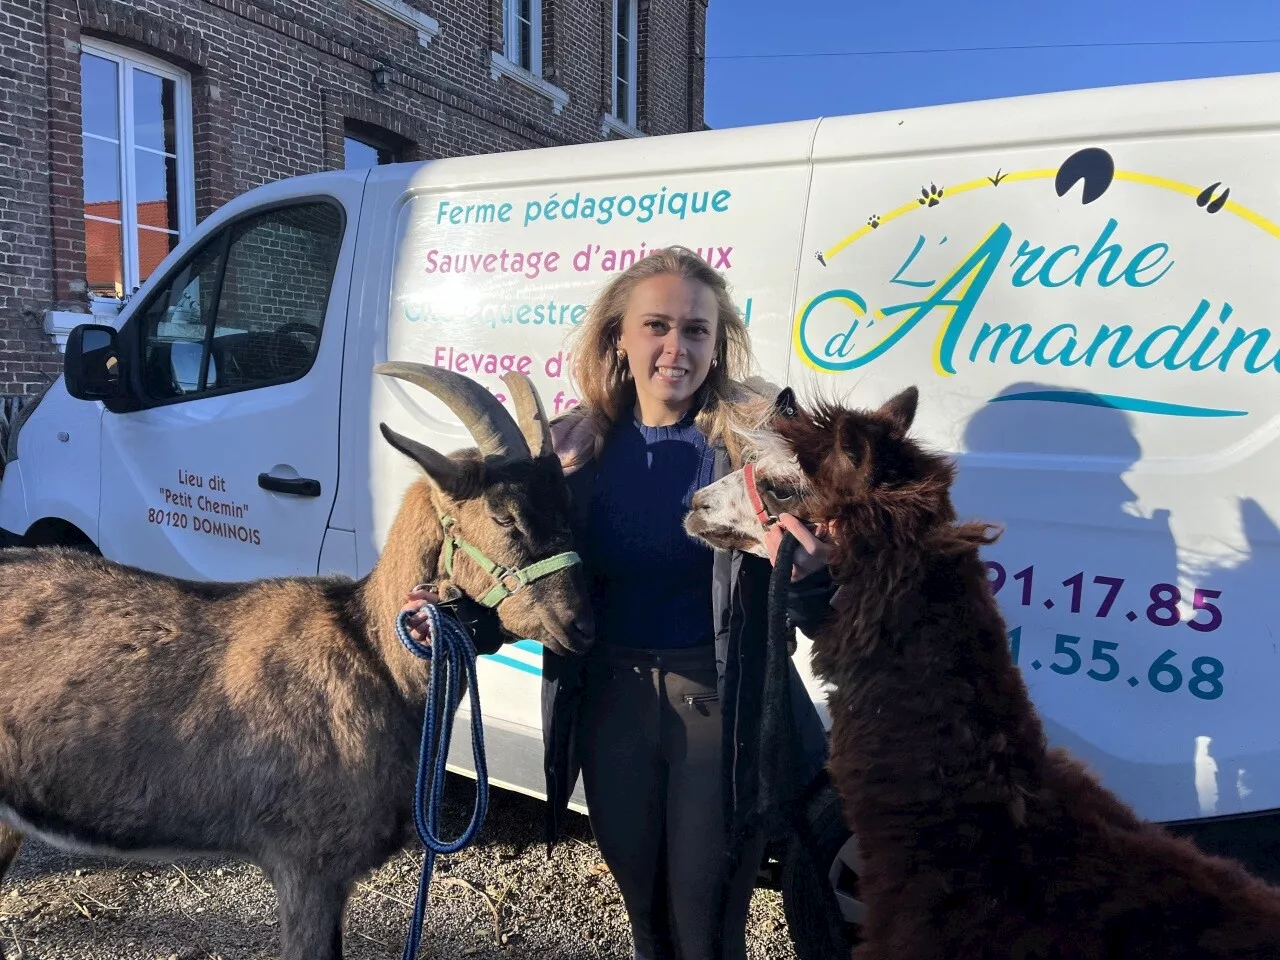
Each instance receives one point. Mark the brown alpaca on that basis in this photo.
(977, 840)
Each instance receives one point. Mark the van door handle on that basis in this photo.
(300, 487)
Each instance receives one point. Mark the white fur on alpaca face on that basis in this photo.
(722, 514)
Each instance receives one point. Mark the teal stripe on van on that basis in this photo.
(1132, 404)
(517, 664)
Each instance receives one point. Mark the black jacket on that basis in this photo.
(740, 596)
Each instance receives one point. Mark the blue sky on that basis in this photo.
(745, 91)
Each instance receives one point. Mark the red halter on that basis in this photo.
(753, 494)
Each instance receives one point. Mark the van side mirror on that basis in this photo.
(91, 368)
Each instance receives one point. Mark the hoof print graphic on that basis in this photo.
(1211, 203)
(1094, 166)
(821, 259)
(930, 195)
(873, 221)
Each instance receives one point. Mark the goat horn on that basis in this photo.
(484, 416)
(529, 413)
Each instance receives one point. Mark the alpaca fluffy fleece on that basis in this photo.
(978, 841)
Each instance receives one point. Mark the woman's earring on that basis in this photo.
(622, 354)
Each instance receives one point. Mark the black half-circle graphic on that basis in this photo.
(1094, 166)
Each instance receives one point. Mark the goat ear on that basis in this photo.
(444, 472)
(900, 410)
(784, 405)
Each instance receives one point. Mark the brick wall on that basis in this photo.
(272, 82)
(696, 64)
(662, 95)
(27, 357)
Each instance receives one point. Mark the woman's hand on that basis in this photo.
(812, 553)
(419, 597)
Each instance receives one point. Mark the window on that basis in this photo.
(624, 61)
(246, 310)
(174, 324)
(521, 58)
(364, 145)
(522, 28)
(357, 153)
(138, 178)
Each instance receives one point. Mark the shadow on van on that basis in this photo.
(1054, 475)
(1253, 839)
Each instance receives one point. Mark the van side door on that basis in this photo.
(228, 470)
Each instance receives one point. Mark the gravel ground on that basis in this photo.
(500, 898)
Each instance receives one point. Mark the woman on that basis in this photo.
(658, 718)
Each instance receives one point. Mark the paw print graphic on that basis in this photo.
(873, 221)
(1210, 202)
(929, 196)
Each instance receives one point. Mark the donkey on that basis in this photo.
(278, 720)
(977, 840)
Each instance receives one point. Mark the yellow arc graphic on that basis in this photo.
(1164, 183)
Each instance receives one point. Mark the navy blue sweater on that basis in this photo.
(651, 581)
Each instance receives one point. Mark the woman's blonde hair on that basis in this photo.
(729, 400)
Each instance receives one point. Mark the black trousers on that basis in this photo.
(651, 766)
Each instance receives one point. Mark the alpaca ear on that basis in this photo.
(900, 410)
(850, 448)
(784, 405)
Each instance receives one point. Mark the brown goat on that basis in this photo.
(977, 840)
(276, 721)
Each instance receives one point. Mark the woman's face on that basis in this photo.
(669, 335)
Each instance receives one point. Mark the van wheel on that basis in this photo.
(52, 532)
(820, 883)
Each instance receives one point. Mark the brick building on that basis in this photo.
(123, 124)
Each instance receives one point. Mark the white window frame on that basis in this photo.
(427, 27)
(631, 66)
(504, 64)
(511, 35)
(127, 60)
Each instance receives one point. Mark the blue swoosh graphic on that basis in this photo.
(511, 662)
(527, 646)
(1132, 404)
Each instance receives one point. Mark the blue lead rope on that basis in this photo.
(454, 658)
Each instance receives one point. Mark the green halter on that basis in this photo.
(502, 575)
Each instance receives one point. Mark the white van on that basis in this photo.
(1081, 284)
